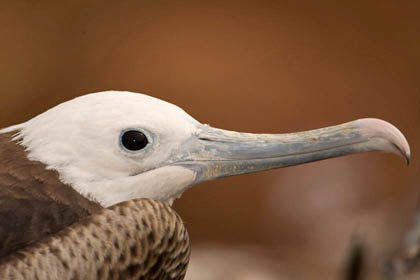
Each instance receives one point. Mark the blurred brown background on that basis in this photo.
(256, 66)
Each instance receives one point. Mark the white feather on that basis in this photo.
(80, 139)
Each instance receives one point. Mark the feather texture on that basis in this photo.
(138, 239)
(33, 201)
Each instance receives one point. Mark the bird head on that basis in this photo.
(116, 146)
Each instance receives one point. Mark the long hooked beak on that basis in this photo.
(214, 153)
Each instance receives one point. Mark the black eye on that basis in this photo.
(134, 140)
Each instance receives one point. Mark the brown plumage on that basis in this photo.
(138, 239)
(49, 231)
(33, 201)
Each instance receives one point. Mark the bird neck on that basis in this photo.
(34, 178)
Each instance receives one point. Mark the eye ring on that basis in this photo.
(133, 140)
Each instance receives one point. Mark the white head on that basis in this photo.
(95, 143)
(81, 140)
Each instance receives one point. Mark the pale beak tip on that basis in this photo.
(390, 133)
(406, 154)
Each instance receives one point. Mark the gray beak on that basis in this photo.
(214, 153)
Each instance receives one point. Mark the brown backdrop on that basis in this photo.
(257, 66)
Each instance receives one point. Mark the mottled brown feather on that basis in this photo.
(138, 239)
(34, 203)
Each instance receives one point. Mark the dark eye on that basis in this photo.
(133, 140)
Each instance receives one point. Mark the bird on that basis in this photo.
(69, 169)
